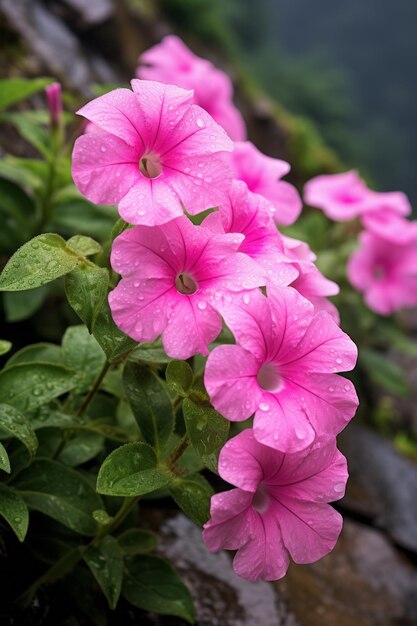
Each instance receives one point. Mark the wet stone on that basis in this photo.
(382, 486)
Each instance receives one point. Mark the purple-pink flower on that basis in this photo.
(385, 270)
(283, 368)
(262, 175)
(342, 197)
(279, 508)
(248, 214)
(310, 282)
(172, 62)
(153, 153)
(54, 97)
(173, 274)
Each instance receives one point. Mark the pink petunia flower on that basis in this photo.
(385, 217)
(283, 368)
(262, 175)
(248, 214)
(54, 98)
(385, 271)
(342, 197)
(157, 153)
(172, 62)
(279, 508)
(310, 282)
(172, 276)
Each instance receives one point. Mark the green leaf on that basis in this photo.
(137, 541)
(206, 428)
(37, 262)
(84, 245)
(4, 460)
(17, 210)
(119, 227)
(14, 90)
(31, 125)
(61, 493)
(81, 448)
(383, 371)
(150, 403)
(86, 289)
(20, 305)
(192, 494)
(82, 590)
(13, 422)
(14, 510)
(131, 470)
(114, 343)
(30, 385)
(81, 216)
(149, 353)
(36, 353)
(5, 346)
(179, 377)
(151, 584)
(106, 564)
(27, 173)
(82, 354)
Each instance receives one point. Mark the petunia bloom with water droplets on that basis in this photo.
(283, 368)
(248, 214)
(309, 281)
(279, 508)
(385, 269)
(153, 153)
(173, 275)
(263, 174)
(172, 62)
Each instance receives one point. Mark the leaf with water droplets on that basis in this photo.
(106, 564)
(36, 353)
(137, 541)
(61, 493)
(131, 470)
(20, 305)
(206, 428)
(4, 459)
(82, 354)
(84, 245)
(37, 262)
(86, 290)
(81, 448)
(150, 403)
(5, 346)
(113, 341)
(16, 424)
(179, 376)
(192, 494)
(30, 385)
(149, 353)
(151, 584)
(14, 510)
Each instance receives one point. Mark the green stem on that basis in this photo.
(93, 389)
(178, 452)
(120, 516)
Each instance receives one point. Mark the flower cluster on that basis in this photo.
(162, 154)
(384, 267)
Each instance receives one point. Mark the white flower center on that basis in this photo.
(269, 377)
(186, 284)
(150, 166)
(261, 499)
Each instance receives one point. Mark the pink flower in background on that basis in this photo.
(262, 175)
(54, 97)
(248, 214)
(385, 271)
(283, 368)
(310, 282)
(171, 276)
(385, 217)
(279, 508)
(156, 153)
(172, 62)
(342, 197)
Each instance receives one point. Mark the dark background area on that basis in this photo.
(350, 67)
